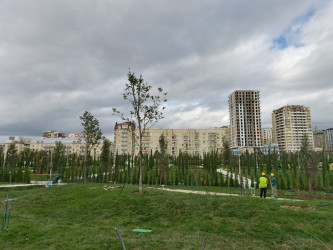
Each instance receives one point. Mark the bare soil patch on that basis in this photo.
(293, 207)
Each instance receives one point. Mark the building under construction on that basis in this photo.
(245, 120)
(323, 140)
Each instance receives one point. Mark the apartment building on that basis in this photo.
(71, 145)
(323, 139)
(191, 141)
(20, 142)
(53, 134)
(124, 139)
(329, 139)
(73, 135)
(266, 136)
(245, 119)
(319, 140)
(270, 148)
(290, 124)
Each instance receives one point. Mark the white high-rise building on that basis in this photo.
(245, 120)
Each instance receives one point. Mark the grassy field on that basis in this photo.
(84, 216)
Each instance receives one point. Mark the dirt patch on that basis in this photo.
(277, 226)
(285, 246)
(298, 207)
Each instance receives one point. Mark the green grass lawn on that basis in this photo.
(84, 216)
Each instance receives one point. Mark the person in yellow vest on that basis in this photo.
(263, 185)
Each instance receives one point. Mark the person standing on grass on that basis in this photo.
(263, 185)
(273, 182)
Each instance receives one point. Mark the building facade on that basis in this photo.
(270, 149)
(191, 141)
(124, 139)
(71, 145)
(328, 139)
(245, 119)
(319, 140)
(267, 136)
(290, 124)
(53, 134)
(323, 139)
(20, 142)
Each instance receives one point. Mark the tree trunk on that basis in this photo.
(85, 165)
(140, 162)
(140, 172)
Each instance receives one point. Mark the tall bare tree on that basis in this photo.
(146, 109)
(91, 135)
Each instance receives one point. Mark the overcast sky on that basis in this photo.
(59, 58)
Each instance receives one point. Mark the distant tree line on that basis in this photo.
(305, 170)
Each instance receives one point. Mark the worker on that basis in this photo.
(273, 183)
(263, 185)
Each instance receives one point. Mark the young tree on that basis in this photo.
(163, 160)
(91, 135)
(105, 157)
(11, 159)
(25, 157)
(58, 157)
(226, 154)
(2, 157)
(310, 160)
(145, 109)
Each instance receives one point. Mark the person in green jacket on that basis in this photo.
(263, 185)
(274, 185)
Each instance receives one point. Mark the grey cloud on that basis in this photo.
(60, 58)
